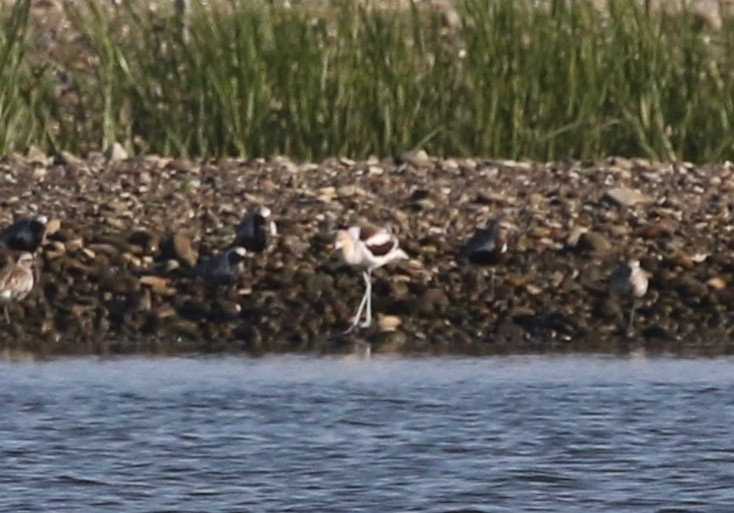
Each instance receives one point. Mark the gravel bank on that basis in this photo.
(124, 234)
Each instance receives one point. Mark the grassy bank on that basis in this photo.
(506, 79)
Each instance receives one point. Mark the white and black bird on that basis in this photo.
(487, 247)
(254, 230)
(369, 247)
(629, 280)
(16, 281)
(221, 268)
(24, 235)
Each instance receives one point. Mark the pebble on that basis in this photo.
(115, 152)
(625, 197)
(116, 264)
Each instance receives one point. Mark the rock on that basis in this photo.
(65, 158)
(508, 334)
(53, 226)
(433, 302)
(147, 241)
(590, 242)
(656, 332)
(179, 247)
(388, 323)
(625, 197)
(656, 230)
(691, 287)
(159, 285)
(572, 240)
(35, 155)
(417, 158)
(716, 283)
(450, 18)
(115, 152)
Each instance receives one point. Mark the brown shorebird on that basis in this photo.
(487, 247)
(24, 235)
(369, 247)
(253, 232)
(629, 280)
(16, 281)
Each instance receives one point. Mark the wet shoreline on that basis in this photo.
(124, 233)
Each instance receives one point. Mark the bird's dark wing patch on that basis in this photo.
(381, 249)
(482, 241)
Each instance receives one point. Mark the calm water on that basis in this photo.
(384, 435)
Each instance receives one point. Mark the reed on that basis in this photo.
(26, 103)
(512, 79)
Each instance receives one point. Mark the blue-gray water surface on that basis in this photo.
(570, 434)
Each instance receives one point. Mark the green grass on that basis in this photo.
(26, 103)
(254, 78)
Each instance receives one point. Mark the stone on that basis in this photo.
(591, 242)
(388, 323)
(716, 283)
(180, 247)
(626, 197)
(417, 158)
(66, 158)
(115, 152)
(656, 230)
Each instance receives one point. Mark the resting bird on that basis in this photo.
(16, 281)
(252, 233)
(221, 268)
(487, 247)
(24, 235)
(630, 280)
(369, 247)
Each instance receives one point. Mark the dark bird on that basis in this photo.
(253, 232)
(221, 268)
(487, 247)
(24, 235)
(629, 280)
(16, 281)
(369, 247)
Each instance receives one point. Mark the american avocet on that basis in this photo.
(16, 281)
(631, 280)
(221, 268)
(24, 235)
(369, 247)
(487, 247)
(253, 232)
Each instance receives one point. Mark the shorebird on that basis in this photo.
(369, 247)
(24, 235)
(16, 281)
(253, 232)
(630, 280)
(487, 247)
(221, 268)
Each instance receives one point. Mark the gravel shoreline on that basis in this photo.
(123, 234)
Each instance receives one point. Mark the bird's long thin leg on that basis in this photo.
(368, 282)
(631, 325)
(358, 315)
(491, 287)
(7, 316)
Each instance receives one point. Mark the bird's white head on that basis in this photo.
(265, 213)
(343, 240)
(262, 211)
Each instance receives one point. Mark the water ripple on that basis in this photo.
(431, 435)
